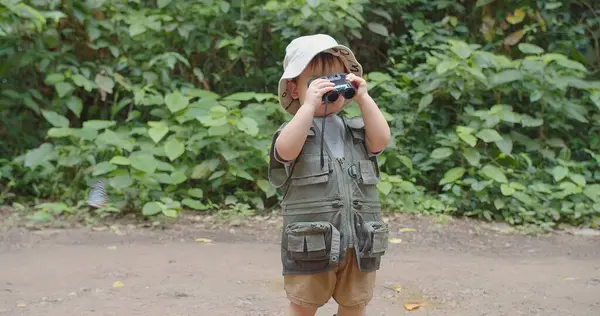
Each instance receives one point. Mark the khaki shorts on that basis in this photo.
(349, 287)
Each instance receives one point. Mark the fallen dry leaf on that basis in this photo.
(203, 240)
(569, 279)
(406, 230)
(394, 240)
(118, 284)
(111, 247)
(397, 288)
(411, 306)
(21, 305)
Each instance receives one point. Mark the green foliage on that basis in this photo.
(493, 105)
(514, 140)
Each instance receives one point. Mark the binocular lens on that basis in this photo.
(332, 96)
(349, 94)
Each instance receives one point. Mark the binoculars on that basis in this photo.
(343, 87)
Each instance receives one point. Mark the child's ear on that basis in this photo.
(293, 89)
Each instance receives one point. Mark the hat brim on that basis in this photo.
(298, 64)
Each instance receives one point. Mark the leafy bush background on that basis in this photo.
(494, 106)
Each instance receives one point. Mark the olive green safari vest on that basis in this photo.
(330, 209)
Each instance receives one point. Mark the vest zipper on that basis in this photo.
(348, 213)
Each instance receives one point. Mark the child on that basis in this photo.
(333, 236)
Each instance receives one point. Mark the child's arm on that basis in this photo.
(290, 141)
(376, 127)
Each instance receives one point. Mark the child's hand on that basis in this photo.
(360, 83)
(316, 90)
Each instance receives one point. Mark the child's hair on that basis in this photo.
(323, 61)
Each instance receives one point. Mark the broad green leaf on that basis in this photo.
(82, 81)
(468, 138)
(506, 189)
(218, 111)
(481, 3)
(378, 28)
(505, 145)
(219, 130)
(163, 3)
(445, 65)
(499, 204)
(98, 124)
(384, 187)
(64, 88)
(120, 160)
(197, 193)
(595, 97)
(578, 179)
(178, 177)
(58, 132)
(452, 175)
(528, 121)
(105, 83)
(472, 155)
(489, 135)
(535, 96)
(194, 204)
(571, 64)
(248, 125)
(54, 78)
(525, 198)
(559, 173)
(530, 49)
(121, 182)
(461, 49)
(263, 185)
(406, 161)
(553, 5)
(425, 101)
(157, 131)
(204, 169)
(240, 96)
(55, 119)
(208, 121)
(382, 13)
(143, 162)
(38, 156)
(441, 153)
(153, 208)
(103, 168)
(593, 192)
(506, 77)
(174, 148)
(217, 174)
(176, 101)
(75, 105)
(136, 28)
(494, 173)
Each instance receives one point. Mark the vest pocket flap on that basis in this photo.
(375, 243)
(380, 242)
(368, 172)
(309, 240)
(308, 170)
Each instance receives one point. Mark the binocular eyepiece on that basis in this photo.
(342, 87)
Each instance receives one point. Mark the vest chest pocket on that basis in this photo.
(308, 170)
(312, 241)
(368, 172)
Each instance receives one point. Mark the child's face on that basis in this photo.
(316, 70)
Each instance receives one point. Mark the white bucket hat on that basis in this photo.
(298, 55)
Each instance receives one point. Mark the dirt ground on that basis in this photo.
(460, 267)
